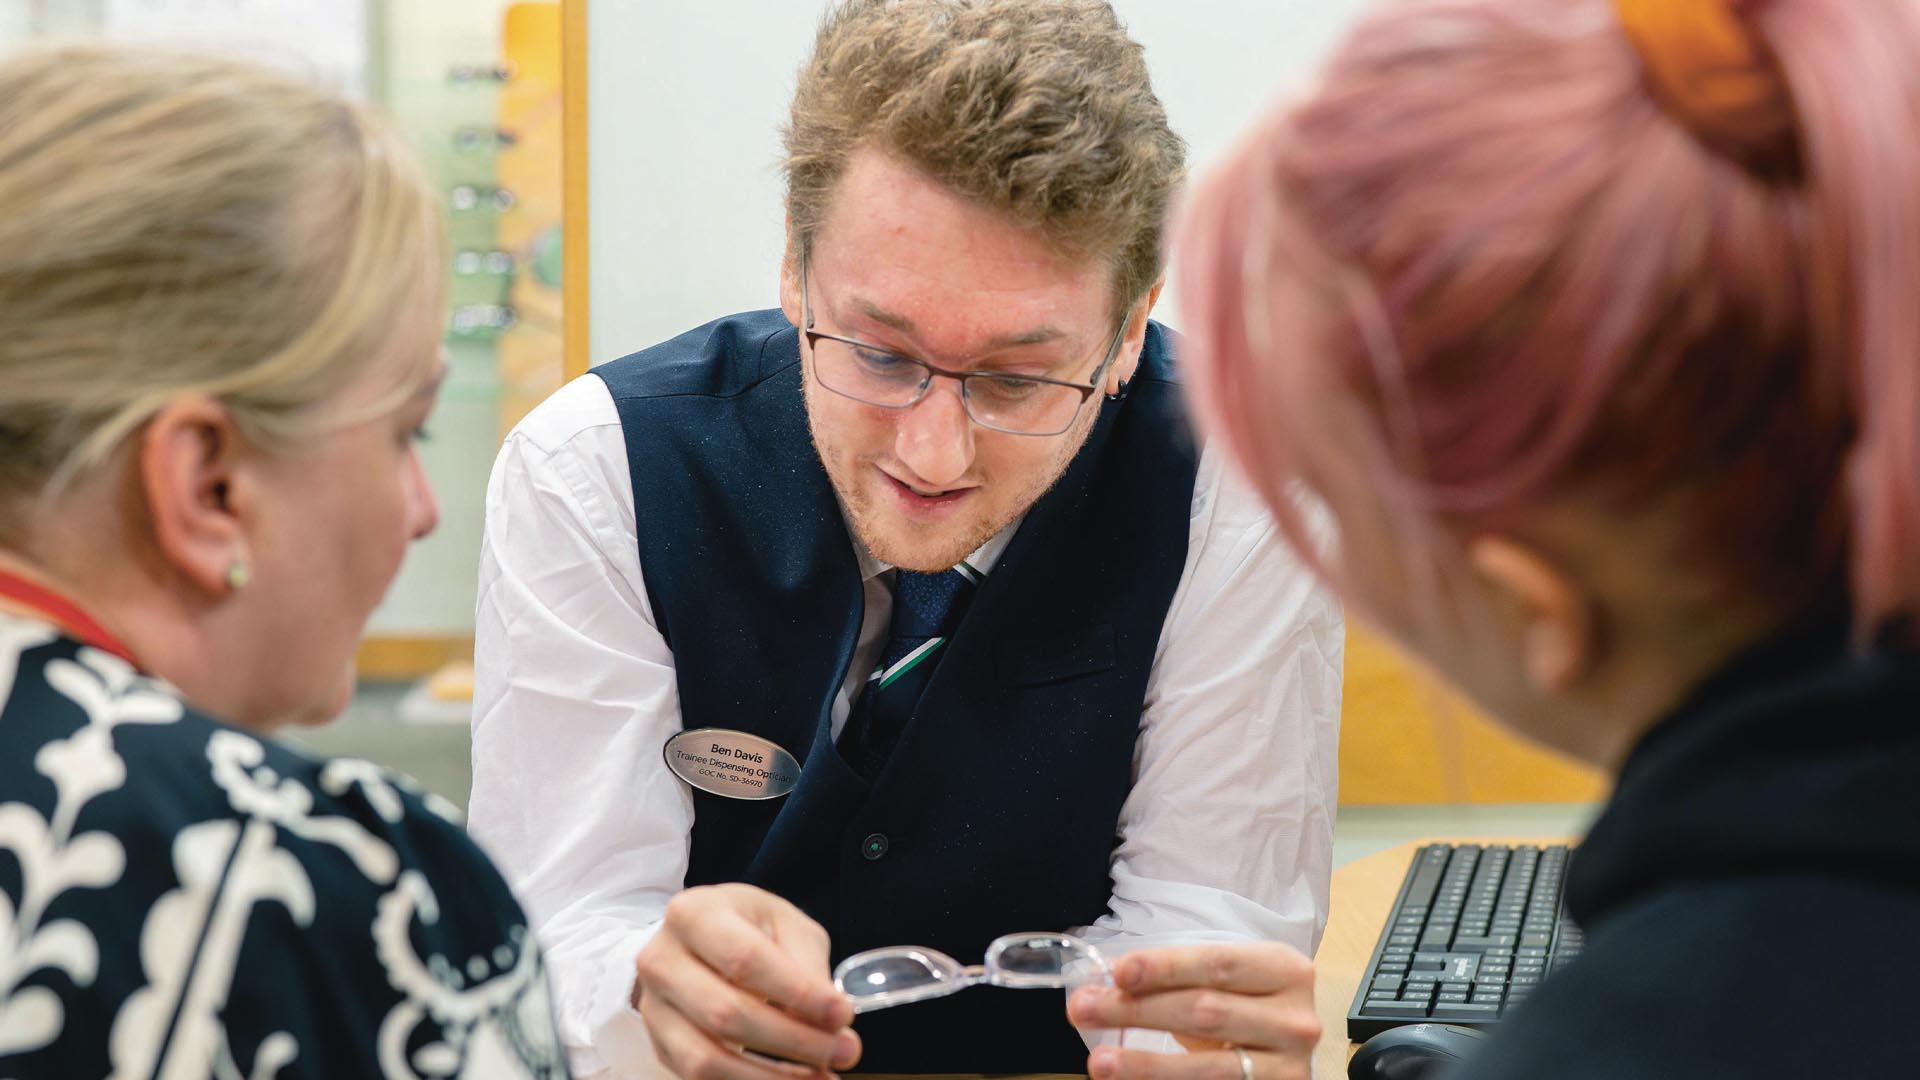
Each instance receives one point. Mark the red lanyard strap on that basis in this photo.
(63, 613)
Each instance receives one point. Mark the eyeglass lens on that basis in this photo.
(883, 978)
(1006, 402)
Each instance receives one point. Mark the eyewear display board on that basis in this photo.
(476, 86)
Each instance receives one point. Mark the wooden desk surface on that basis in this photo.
(1363, 894)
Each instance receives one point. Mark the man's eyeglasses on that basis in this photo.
(997, 400)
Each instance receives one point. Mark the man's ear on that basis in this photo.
(1558, 638)
(197, 490)
(790, 278)
(1133, 339)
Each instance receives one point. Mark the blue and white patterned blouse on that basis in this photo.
(180, 899)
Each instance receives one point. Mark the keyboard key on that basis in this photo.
(1394, 1008)
(1388, 982)
(1458, 1011)
(1536, 940)
(1481, 943)
(1426, 876)
(1452, 995)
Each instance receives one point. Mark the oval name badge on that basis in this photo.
(733, 764)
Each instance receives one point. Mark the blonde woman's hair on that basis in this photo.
(175, 224)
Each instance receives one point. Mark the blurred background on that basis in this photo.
(476, 86)
(648, 133)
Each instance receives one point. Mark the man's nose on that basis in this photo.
(935, 436)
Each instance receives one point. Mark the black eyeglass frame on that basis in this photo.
(964, 378)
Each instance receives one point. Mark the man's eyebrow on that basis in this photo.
(1039, 335)
(890, 320)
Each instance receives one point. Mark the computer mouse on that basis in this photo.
(1413, 1052)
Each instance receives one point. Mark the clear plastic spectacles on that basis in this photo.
(900, 974)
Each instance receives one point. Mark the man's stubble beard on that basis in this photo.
(862, 515)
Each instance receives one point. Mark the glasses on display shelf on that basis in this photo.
(470, 263)
(470, 139)
(475, 319)
(465, 198)
(467, 74)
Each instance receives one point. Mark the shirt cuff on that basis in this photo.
(621, 1045)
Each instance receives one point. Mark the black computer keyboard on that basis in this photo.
(1473, 932)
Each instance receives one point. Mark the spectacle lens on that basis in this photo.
(1021, 961)
(882, 978)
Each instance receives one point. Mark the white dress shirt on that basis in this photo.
(1226, 835)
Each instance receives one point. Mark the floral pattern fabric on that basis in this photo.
(182, 900)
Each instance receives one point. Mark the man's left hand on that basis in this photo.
(1215, 999)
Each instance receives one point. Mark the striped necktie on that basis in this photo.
(926, 610)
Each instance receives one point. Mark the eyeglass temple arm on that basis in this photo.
(1113, 354)
(806, 302)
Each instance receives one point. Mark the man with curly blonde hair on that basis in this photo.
(937, 528)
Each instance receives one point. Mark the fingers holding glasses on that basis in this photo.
(734, 968)
(1258, 967)
(1204, 1019)
(1218, 1001)
(693, 1054)
(762, 944)
(733, 1017)
(807, 942)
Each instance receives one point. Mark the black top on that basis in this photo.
(182, 899)
(1752, 891)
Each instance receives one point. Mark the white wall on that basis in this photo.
(685, 103)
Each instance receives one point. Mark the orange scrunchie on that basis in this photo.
(1713, 73)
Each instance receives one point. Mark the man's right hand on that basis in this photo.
(735, 969)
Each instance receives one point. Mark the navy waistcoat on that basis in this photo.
(998, 809)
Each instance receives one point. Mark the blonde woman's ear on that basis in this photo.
(187, 460)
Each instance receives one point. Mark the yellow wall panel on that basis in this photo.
(1406, 739)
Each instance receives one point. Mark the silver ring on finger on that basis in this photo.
(1246, 1063)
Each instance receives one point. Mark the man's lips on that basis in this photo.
(928, 495)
